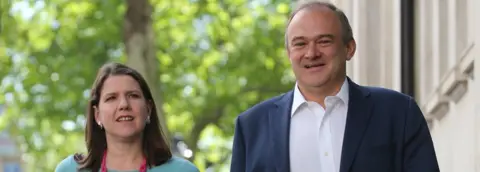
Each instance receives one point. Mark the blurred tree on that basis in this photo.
(140, 47)
(206, 60)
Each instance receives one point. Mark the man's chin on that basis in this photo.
(318, 83)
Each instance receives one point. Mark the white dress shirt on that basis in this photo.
(316, 134)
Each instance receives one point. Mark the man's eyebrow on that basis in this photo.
(326, 36)
(295, 38)
(331, 36)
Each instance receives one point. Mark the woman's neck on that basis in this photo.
(124, 155)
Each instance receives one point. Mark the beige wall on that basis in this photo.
(446, 34)
(375, 32)
(446, 52)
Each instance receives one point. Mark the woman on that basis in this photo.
(122, 131)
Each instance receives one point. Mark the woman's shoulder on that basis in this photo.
(176, 164)
(67, 164)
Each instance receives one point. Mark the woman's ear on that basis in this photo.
(97, 115)
(149, 108)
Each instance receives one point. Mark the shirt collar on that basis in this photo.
(298, 98)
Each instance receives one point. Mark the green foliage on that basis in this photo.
(217, 58)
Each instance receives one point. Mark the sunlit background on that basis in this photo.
(209, 60)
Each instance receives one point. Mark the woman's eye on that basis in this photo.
(134, 95)
(110, 98)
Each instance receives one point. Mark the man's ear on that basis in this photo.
(288, 53)
(351, 48)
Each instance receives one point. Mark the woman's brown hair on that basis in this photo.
(155, 145)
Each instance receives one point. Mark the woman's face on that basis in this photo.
(122, 110)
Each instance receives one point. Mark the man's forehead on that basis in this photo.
(316, 11)
(318, 7)
(309, 18)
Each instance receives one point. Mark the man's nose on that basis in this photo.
(312, 50)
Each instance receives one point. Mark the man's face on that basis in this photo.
(315, 47)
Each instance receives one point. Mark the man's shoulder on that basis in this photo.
(386, 92)
(389, 97)
(262, 107)
(66, 165)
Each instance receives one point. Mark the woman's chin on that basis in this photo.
(127, 134)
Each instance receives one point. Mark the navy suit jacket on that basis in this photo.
(385, 132)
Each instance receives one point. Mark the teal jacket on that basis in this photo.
(175, 164)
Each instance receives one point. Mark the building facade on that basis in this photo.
(446, 50)
(10, 155)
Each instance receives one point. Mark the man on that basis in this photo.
(327, 123)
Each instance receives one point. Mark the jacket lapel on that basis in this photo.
(279, 122)
(358, 117)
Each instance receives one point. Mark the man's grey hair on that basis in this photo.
(347, 34)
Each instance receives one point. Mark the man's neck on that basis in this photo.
(318, 94)
(124, 155)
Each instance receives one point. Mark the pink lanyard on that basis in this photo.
(143, 167)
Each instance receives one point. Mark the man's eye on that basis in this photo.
(299, 44)
(324, 41)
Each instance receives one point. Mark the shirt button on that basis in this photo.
(326, 154)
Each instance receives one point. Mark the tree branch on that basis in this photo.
(224, 158)
(213, 116)
(200, 123)
(139, 43)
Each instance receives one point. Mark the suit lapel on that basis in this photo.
(279, 122)
(358, 116)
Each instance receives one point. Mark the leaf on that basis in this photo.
(283, 8)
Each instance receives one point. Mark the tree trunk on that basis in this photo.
(139, 42)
